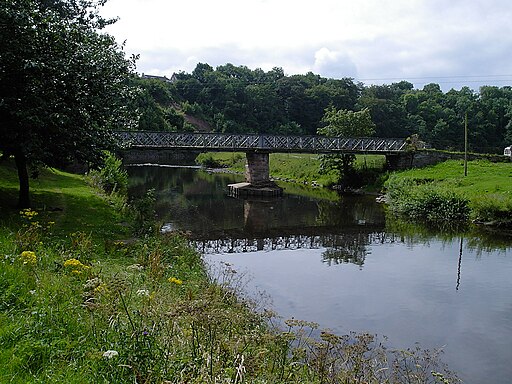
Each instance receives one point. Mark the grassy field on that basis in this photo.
(487, 189)
(81, 301)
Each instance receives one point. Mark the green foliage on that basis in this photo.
(143, 210)
(344, 123)
(426, 204)
(493, 207)
(75, 310)
(234, 160)
(111, 177)
(485, 192)
(63, 84)
(237, 99)
(206, 160)
(155, 106)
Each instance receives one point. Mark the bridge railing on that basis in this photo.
(248, 142)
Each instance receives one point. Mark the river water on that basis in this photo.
(340, 262)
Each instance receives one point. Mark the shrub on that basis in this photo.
(206, 160)
(111, 177)
(426, 203)
(493, 207)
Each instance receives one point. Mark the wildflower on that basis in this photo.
(28, 258)
(28, 213)
(143, 292)
(102, 288)
(75, 266)
(175, 281)
(92, 283)
(110, 354)
(135, 267)
(73, 263)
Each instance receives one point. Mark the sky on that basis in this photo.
(453, 43)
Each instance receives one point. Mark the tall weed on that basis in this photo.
(425, 202)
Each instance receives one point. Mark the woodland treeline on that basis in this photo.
(236, 99)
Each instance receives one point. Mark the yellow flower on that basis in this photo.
(174, 280)
(75, 266)
(28, 213)
(73, 263)
(28, 258)
(101, 288)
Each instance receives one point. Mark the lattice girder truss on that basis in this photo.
(250, 142)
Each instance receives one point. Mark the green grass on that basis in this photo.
(487, 186)
(296, 167)
(82, 303)
(62, 198)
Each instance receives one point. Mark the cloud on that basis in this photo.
(334, 64)
(422, 40)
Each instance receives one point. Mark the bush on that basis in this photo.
(111, 177)
(493, 207)
(426, 203)
(206, 160)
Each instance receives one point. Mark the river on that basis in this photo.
(343, 263)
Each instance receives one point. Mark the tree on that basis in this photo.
(344, 123)
(63, 84)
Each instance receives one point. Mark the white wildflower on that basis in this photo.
(110, 354)
(143, 292)
(135, 267)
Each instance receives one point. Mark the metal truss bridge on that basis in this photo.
(256, 143)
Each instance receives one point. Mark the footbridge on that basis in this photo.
(258, 147)
(260, 143)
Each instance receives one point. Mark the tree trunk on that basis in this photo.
(21, 165)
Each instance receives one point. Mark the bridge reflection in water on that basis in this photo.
(344, 241)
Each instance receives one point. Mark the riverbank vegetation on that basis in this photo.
(83, 301)
(435, 195)
(298, 167)
(442, 194)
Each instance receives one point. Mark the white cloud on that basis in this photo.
(333, 64)
(377, 39)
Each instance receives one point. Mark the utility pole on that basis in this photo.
(466, 144)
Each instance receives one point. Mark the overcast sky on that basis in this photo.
(449, 42)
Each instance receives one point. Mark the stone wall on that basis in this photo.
(154, 156)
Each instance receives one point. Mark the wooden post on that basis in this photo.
(466, 145)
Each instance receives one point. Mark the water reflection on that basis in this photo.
(197, 202)
(345, 264)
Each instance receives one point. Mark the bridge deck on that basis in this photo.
(253, 142)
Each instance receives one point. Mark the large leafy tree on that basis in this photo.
(344, 123)
(63, 83)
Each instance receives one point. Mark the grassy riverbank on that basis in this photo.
(83, 302)
(442, 193)
(302, 168)
(436, 194)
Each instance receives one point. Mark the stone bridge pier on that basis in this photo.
(257, 169)
(257, 177)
